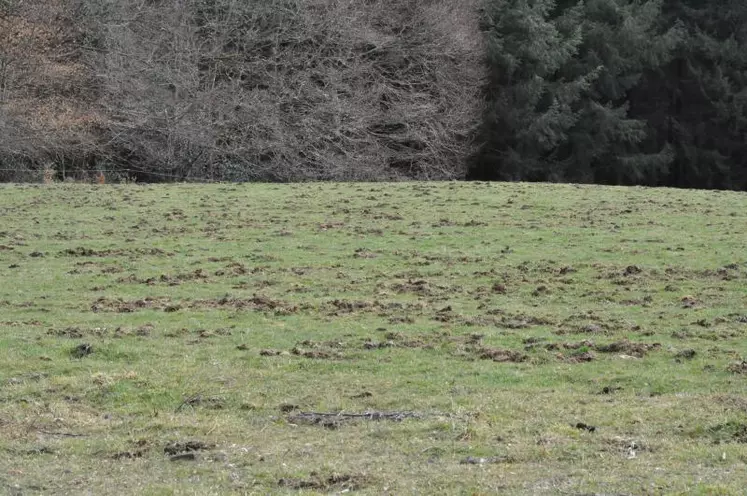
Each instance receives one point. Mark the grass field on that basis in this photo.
(452, 338)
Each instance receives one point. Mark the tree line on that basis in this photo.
(600, 91)
(616, 92)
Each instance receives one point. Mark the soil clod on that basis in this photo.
(82, 350)
(585, 427)
(178, 447)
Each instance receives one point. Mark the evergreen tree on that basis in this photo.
(698, 102)
(530, 110)
(620, 41)
(561, 74)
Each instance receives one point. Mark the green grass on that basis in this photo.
(501, 315)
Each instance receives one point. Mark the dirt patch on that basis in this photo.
(580, 356)
(169, 280)
(494, 318)
(119, 305)
(570, 346)
(632, 270)
(128, 455)
(177, 447)
(89, 252)
(585, 427)
(420, 287)
(318, 353)
(199, 400)
(270, 352)
(257, 302)
(210, 333)
(397, 311)
(628, 348)
(590, 325)
(332, 483)
(335, 420)
(399, 340)
(76, 332)
(346, 306)
(625, 347)
(738, 367)
(499, 355)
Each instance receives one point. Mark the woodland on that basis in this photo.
(627, 92)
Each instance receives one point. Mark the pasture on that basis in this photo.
(409, 338)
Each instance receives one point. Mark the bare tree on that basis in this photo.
(252, 89)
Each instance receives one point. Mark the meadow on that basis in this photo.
(406, 338)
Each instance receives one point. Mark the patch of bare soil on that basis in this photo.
(210, 333)
(237, 269)
(420, 287)
(393, 309)
(257, 302)
(142, 448)
(581, 355)
(628, 348)
(499, 355)
(104, 304)
(625, 347)
(399, 340)
(494, 318)
(588, 323)
(332, 483)
(170, 280)
(179, 447)
(199, 400)
(335, 420)
(270, 352)
(569, 346)
(89, 252)
(425, 340)
(77, 332)
(327, 350)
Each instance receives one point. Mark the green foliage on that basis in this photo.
(705, 119)
(530, 110)
(660, 92)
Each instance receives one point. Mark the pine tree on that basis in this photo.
(530, 111)
(561, 73)
(698, 102)
(621, 42)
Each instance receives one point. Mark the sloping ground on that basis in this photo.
(379, 338)
(242, 90)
